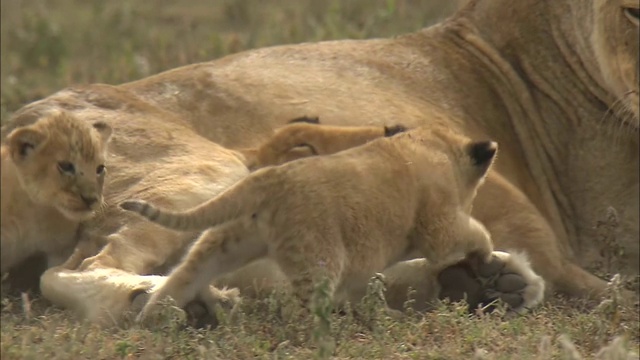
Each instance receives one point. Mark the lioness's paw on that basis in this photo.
(507, 276)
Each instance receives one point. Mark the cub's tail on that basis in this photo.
(243, 198)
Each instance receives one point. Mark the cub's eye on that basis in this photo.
(633, 14)
(100, 169)
(66, 167)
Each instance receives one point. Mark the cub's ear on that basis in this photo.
(24, 141)
(395, 129)
(104, 130)
(482, 154)
(305, 119)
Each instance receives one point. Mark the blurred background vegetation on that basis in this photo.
(47, 45)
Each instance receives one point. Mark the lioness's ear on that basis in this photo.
(104, 130)
(482, 154)
(24, 141)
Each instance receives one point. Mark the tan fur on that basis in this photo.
(42, 205)
(558, 91)
(419, 200)
(285, 145)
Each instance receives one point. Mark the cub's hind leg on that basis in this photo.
(309, 259)
(219, 250)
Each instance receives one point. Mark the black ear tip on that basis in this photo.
(395, 129)
(482, 152)
(305, 119)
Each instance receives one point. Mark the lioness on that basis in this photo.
(345, 216)
(558, 91)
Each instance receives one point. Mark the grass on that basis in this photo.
(275, 328)
(47, 45)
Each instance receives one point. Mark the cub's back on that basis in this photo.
(369, 185)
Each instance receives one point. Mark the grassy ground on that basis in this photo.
(274, 328)
(49, 44)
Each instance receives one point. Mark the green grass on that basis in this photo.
(47, 45)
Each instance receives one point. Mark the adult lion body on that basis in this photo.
(545, 79)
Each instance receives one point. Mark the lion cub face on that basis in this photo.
(60, 162)
(615, 40)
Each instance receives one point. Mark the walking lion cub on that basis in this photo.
(344, 216)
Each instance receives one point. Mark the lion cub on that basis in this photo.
(344, 216)
(304, 137)
(53, 173)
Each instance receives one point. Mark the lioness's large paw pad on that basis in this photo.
(516, 283)
(507, 276)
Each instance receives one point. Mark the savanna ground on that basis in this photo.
(48, 45)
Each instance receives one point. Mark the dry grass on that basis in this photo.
(48, 45)
(275, 328)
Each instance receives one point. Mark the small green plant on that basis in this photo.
(321, 308)
(123, 347)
